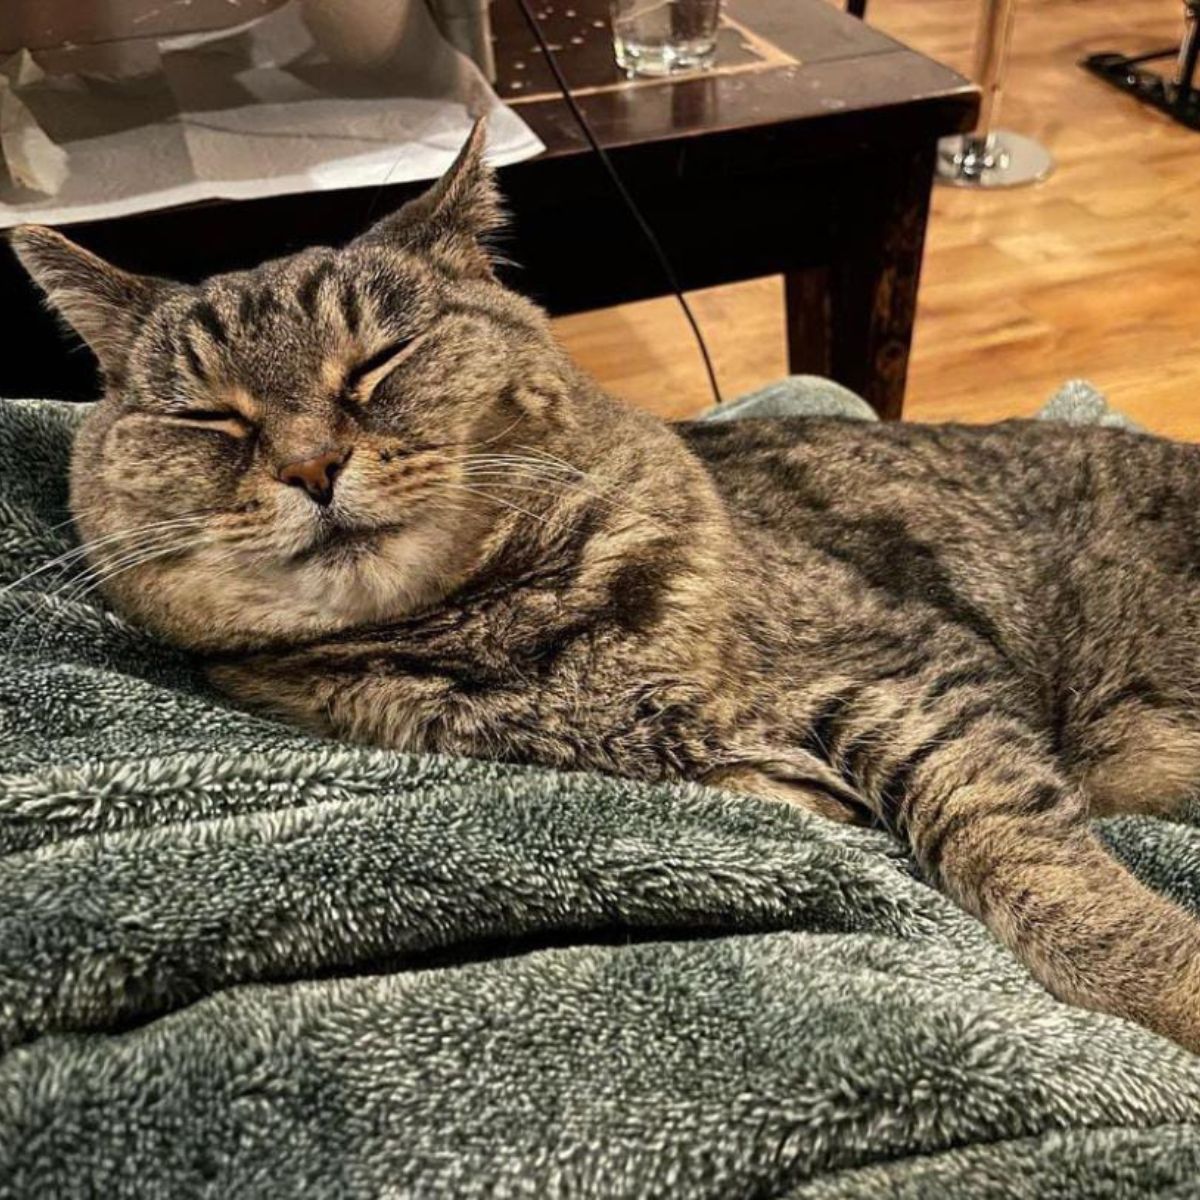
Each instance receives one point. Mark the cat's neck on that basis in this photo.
(609, 510)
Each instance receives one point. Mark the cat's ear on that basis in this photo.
(454, 217)
(103, 304)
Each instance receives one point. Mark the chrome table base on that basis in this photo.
(1003, 159)
(992, 158)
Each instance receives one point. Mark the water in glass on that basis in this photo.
(658, 37)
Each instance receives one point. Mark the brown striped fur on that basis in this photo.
(974, 637)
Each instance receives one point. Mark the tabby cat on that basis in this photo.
(372, 490)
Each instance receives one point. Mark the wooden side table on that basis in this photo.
(808, 152)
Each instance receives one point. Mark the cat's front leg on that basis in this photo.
(776, 781)
(326, 699)
(379, 699)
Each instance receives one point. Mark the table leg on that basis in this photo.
(852, 320)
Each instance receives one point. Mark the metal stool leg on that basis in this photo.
(1189, 51)
(1177, 97)
(992, 158)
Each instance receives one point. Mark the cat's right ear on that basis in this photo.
(455, 216)
(103, 304)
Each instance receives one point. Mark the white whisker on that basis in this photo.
(69, 557)
(486, 495)
(79, 590)
(115, 558)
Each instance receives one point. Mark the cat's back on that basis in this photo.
(1018, 481)
(1015, 531)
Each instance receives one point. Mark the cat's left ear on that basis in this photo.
(103, 304)
(455, 216)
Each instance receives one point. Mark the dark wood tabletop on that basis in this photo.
(807, 151)
(779, 63)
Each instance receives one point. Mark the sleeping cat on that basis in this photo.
(369, 486)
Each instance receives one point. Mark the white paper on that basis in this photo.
(319, 95)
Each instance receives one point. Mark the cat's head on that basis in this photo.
(305, 446)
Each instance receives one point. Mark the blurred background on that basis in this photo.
(1091, 273)
(1094, 273)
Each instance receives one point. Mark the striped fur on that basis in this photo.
(974, 637)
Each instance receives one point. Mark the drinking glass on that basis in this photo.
(659, 37)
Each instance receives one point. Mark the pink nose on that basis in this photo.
(316, 475)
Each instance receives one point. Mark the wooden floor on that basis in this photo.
(1095, 273)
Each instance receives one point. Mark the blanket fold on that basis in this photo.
(236, 960)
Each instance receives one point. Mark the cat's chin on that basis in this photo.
(357, 579)
(367, 576)
(347, 544)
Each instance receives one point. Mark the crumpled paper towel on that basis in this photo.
(316, 95)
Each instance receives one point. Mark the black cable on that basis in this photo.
(627, 199)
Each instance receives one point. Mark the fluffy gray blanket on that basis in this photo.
(237, 961)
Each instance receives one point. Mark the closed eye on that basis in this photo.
(369, 366)
(223, 420)
(208, 414)
(363, 378)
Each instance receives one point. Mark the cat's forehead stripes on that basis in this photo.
(350, 307)
(203, 317)
(288, 335)
(317, 295)
(309, 289)
(257, 304)
(299, 332)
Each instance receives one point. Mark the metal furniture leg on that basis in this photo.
(1174, 95)
(992, 158)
